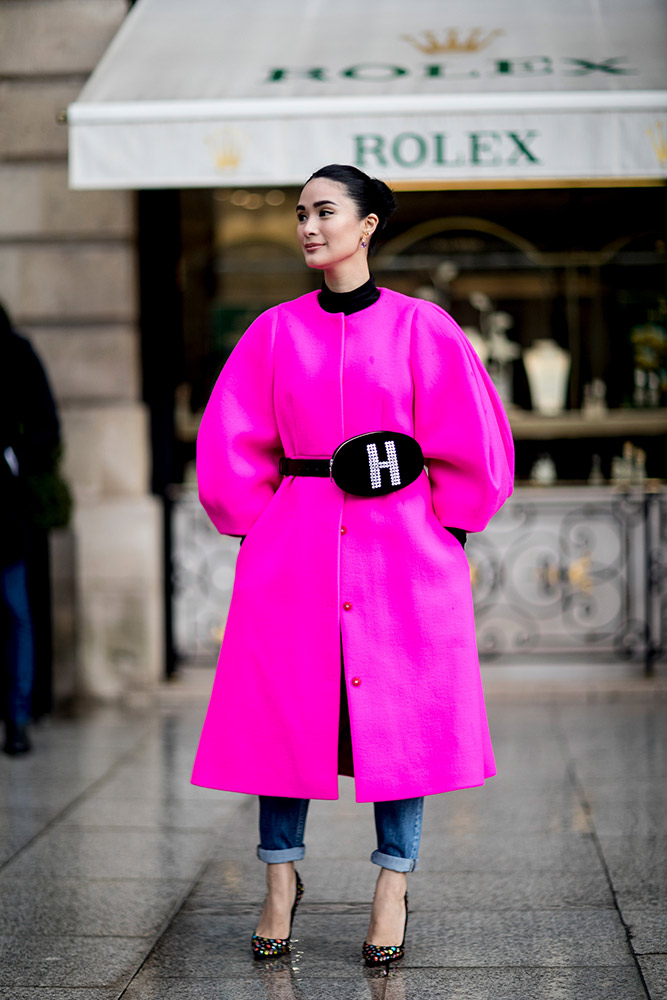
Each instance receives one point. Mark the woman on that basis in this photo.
(325, 572)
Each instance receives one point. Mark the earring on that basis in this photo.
(363, 239)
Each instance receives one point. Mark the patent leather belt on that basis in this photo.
(368, 465)
(305, 467)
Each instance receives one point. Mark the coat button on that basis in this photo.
(356, 681)
(343, 529)
(347, 606)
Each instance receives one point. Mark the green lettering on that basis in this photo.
(582, 67)
(522, 147)
(397, 149)
(440, 71)
(526, 66)
(276, 75)
(376, 149)
(481, 146)
(377, 72)
(440, 150)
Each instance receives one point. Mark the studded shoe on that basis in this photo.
(263, 948)
(375, 955)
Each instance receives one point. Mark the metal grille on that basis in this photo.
(204, 563)
(565, 570)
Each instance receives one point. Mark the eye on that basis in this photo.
(326, 211)
(300, 217)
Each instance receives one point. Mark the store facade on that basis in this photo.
(580, 268)
(530, 158)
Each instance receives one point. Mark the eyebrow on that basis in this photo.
(318, 204)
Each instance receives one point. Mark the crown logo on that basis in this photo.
(452, 40)
(226, 147)
(658, 137)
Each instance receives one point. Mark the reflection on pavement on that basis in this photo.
(280, 979)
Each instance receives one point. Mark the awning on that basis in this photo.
(209, 93)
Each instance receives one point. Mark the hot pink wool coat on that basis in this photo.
(319, 564)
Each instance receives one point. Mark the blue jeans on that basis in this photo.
(398, 824)
(20, 657)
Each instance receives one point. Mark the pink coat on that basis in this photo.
(319, 565)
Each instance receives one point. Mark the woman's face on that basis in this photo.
(328, 224)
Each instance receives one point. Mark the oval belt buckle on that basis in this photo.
(375, 464)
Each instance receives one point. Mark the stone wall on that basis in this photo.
(68, 277)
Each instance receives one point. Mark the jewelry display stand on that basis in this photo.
(548, 368)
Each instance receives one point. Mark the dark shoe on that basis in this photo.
(375, 955)
(16, 740)
(263, 948)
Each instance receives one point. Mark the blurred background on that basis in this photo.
(527, 144)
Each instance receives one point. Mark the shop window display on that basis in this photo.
(563, 293)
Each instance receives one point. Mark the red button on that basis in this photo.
(347, 606)
(356, 681)
(343, 529)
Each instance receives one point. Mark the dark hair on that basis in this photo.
(369, 194)
(5, 322)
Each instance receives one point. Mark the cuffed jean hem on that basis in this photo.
(393, 863)
(277, 857)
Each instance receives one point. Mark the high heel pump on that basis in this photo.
(375, 955)
(263, 947)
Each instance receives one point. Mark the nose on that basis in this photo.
(310, 227)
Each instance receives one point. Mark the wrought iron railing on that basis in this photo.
(561, 570)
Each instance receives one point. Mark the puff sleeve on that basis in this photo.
(460, 423)
(238, 445)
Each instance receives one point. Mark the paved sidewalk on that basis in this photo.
(119, 879)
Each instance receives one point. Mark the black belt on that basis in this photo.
(351, 466)
(368, 465)
(305, 467)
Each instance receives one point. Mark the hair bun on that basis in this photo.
(385, 198)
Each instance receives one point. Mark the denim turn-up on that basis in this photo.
(398, 823)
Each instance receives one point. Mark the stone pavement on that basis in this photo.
(119, 879)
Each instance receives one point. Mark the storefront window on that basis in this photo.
(563, 292)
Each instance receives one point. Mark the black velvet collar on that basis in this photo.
(349, 302)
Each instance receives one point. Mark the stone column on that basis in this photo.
(68, 276)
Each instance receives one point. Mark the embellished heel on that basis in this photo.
(263, 947)
(375, 954)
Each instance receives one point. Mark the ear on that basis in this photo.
(371, 223)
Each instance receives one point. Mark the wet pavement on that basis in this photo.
(120, 879)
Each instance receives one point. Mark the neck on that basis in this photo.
(347, 276)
